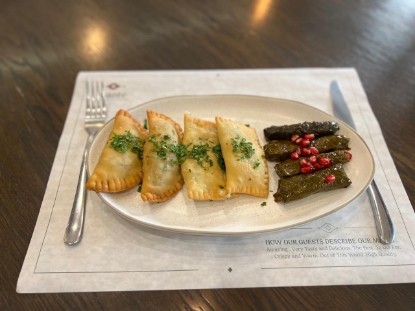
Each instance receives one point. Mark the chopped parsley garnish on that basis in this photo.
(222, 187)
(217, 150)
(247, 125)
(139, 189)
(180, 151)
(264, 204)
(128, 141)
(160, 147)
(145, 124)
(200, 154)
(243, 149)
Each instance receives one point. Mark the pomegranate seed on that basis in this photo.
(304, 143)
(330, 178)
(318, 166)
(294, 155)
(308, 169)
(303, 163)
(305, 152)
(298, 150)
(325, 161)
(294, 138)
(314, 150)
(313, 159)
(349, 155)
(309, 136)
(298, 140)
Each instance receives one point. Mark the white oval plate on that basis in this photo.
(243, 214)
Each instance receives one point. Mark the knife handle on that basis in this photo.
(384, 225)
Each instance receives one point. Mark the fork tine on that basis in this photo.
(88, 99)
(93, 99)
(104, 107)
(98, 99)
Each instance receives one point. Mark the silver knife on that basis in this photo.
(384, 225)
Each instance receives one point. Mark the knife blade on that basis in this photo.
(340, 109)
(384, 225)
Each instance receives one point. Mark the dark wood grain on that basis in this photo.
(44, 43)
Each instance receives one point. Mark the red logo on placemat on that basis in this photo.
(113, 86)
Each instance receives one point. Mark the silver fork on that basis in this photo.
(95, 116)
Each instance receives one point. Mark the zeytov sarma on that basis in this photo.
(302, 185)
(285, 132)
(292, 167)
(280, 150)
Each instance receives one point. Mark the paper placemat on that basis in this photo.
(118, 255)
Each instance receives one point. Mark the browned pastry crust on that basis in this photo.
(162, 179)
(117, 171)
(208, 182)
(243, 175)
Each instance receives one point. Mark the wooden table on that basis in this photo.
(43, 45)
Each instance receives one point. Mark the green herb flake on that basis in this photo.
(145, 124)
(190, 170)
(127, 141)
(222, 187)
(264, 204)
(139, 189)
(247, 125)
(256, 164)
(217, 150)
(242, 148)
(200, 154)
(180, 151)
(160, 147)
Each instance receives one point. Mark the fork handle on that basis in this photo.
(74, 229)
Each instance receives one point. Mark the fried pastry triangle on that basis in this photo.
(117, 171)
(205, 180)
(246, 167)
(162, 176)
